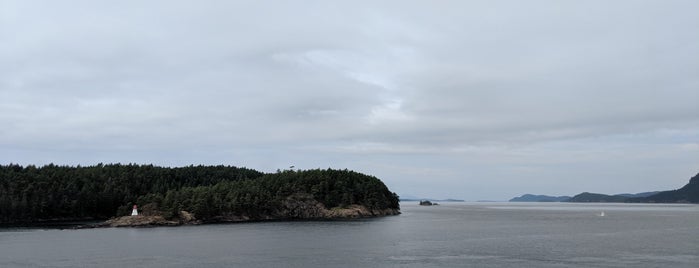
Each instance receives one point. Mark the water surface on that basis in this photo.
(449, 235)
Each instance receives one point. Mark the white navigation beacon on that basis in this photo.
(134, 212)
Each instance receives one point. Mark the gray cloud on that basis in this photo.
(479, 100)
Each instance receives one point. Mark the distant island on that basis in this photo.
(539, 198)
(186, 195)
(432, 199)
(687, 194)
(427, 203)
(617, 198)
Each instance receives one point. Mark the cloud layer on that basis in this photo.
(478, 100)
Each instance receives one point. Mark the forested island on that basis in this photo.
(181, 195)
(687, 194)
(540, 198)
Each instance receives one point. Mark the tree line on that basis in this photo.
(30, 193)
(265, 195)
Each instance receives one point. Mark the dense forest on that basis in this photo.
(54, 192)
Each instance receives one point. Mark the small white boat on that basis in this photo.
(601, 214)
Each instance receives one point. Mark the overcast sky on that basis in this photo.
(463, 99)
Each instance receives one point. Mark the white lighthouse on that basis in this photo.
(134, 212)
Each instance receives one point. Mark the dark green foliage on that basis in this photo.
(62, 192)
(261, 196)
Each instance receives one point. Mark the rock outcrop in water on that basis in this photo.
(428, 203)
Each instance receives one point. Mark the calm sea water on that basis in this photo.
(450, 235)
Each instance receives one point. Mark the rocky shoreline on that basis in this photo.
(292, 209)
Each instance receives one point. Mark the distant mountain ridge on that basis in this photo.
(617, 198)
(644, 194)
(594, 197)
(539, 198)
(581, 198)
(687, 194)
(412, 198)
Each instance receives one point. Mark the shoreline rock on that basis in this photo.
(138, 221)
(293, 209)
(149, 220)
(306, 207)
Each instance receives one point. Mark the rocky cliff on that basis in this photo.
(306, 207)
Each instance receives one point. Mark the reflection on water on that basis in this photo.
(449, 235)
